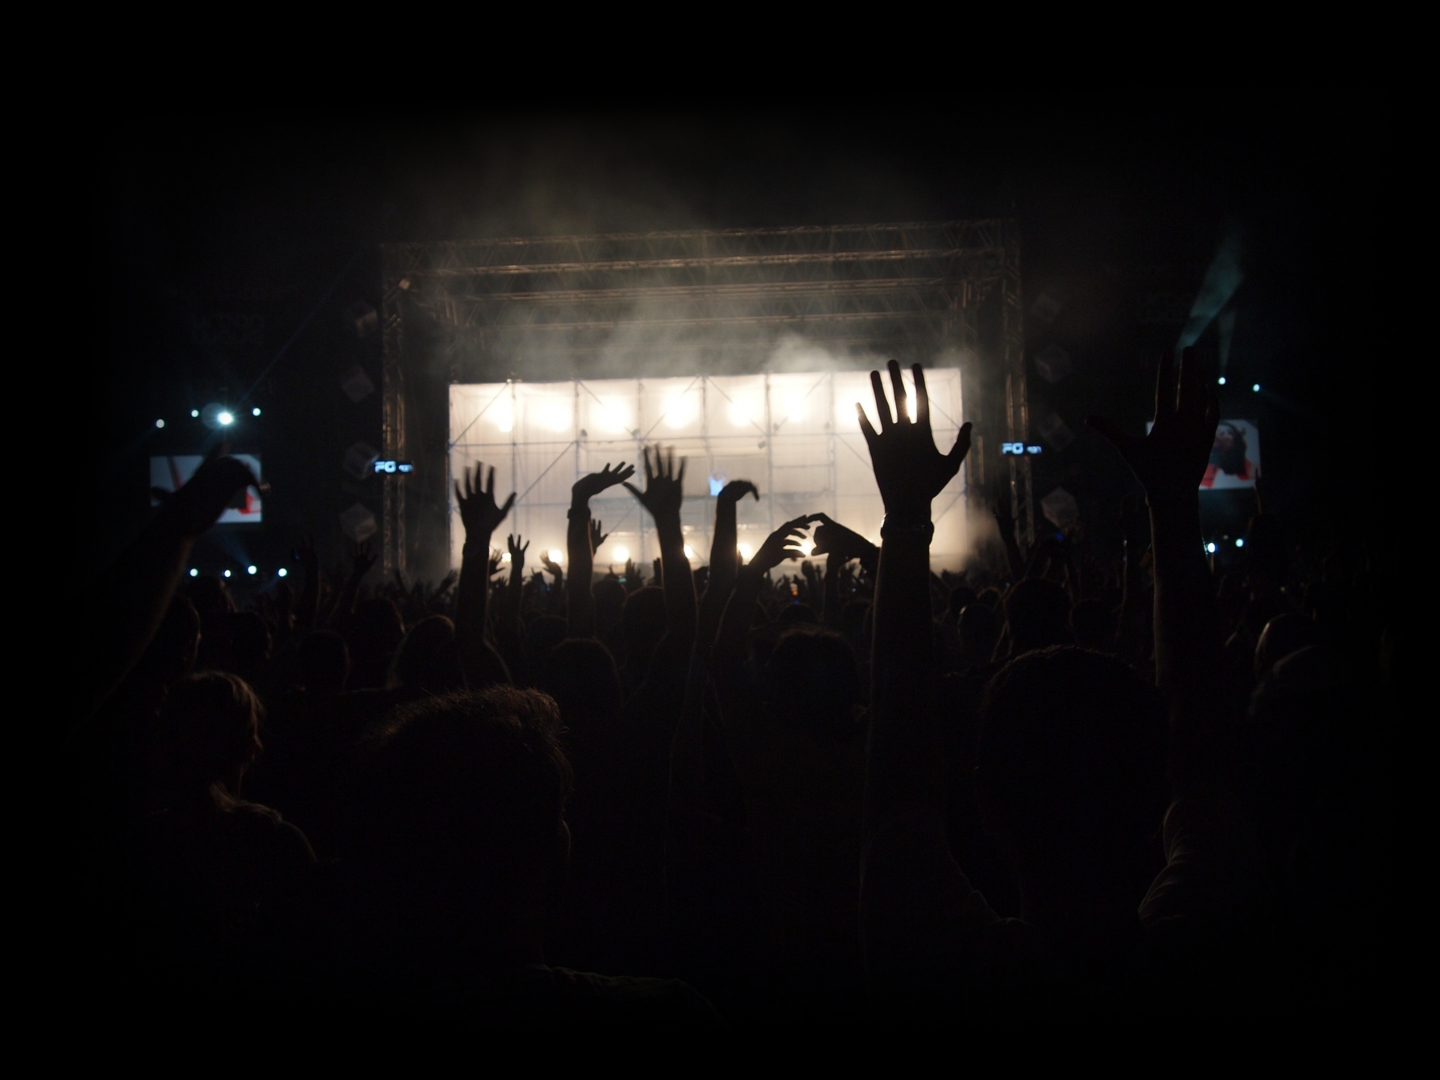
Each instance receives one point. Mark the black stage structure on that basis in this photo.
(688, 302)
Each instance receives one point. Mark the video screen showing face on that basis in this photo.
(1235, 457)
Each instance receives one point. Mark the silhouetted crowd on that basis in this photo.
(1066, 783)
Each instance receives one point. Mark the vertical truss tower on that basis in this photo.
(704, 301)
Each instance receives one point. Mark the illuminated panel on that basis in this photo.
(795, 435)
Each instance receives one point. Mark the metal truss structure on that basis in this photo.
(694, 302)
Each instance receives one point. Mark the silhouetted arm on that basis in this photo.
(580, 547)
(480, 515)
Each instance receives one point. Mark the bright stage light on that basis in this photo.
(679, 411)
(251, 570)
(505, 558)
(255, 411)
(555, 416)
(1221, 380)
(282, 572)
(689, 552)
(194, 572)
(746, 551)
(1210, 548)
(806, 546)
(743, 412)
(225, 418)
(614, 415)
(1255, 388)
(556, 555)
(227, 573)
(159, 423)
(505, 416)
(621, 553)
(1239, 541)
(194, 414)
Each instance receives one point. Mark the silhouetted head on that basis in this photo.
(811, 683)
(1072, 758)
(428, 658)
(580, 675)
(209, 735)
(322, 663)
(1286, 633)
(1038, 612)
(460, 808)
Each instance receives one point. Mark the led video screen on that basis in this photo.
(794, 435)
(171, 472)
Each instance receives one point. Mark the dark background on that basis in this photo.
(221, 237)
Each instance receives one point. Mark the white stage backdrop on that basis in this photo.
(795, 435)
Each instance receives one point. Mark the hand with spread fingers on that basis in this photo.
(592, 484)
(517, 554)
(664, 491)
(598, 535)
(832, 538)
(1171, 459)
(479, 511)
(551, 565)
(909, 470)
(780, 545)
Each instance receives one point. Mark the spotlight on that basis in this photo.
(621, 552)
(224, 418)
(689, 552)
(194, 414)
(227, 573)
(1239, 541)
(282, 572)
(505, 558)
(255, 411)
(556, 555)
(746, 552)
(1255, 388)
(250, 569)
(806, 546)
(1221, 380)
(159, 423)
(194, 572)
(1210, 548)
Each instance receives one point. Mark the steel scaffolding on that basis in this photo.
(483, 309)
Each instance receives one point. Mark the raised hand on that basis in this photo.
(736, 490)
(517, 554)
(633, 574)
(780, 545)
(550, 564)
(590, 485)
(204, 497)
(479, 512)
(1172, 458)
(909, 470)
(832, 538)
(493, 564)
(1003, 517)
(361, 560)
(597, 535)
(664, 487)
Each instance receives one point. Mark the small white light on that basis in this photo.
(194, 572)
(225, 418)
(505, 557)
(556, 555)
(1221, 380)
(689, 552)
(746, 551)
(621, 553)
(255, 411)
(227, 573)
(195, 414)
(1256, 388)
(250, 569)
(1210, 548)
(807, 546)
(159, 423)
(282, 572)
(1239, 541)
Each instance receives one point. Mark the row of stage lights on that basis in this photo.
(216, 416)
(619, 553)
(678, 412)
(1254, 387)
(250, 571)
(1211, 547)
